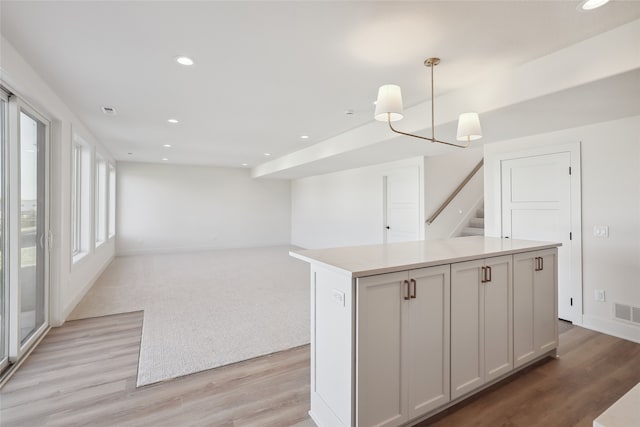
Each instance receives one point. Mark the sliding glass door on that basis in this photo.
(4, 302)
(32, 224)
(24, 226)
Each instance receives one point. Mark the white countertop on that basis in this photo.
(623, 413)
(360, 261)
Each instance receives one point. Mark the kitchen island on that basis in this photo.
(400, 332)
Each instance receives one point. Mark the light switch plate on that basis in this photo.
(601, 231)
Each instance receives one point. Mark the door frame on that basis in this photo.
(4, 228)
(574, 150)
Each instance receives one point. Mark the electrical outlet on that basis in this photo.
(598, 295)
(338, 297)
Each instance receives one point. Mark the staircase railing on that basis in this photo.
(455, 193)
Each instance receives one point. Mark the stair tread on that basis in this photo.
(472, 231)
(476, 222)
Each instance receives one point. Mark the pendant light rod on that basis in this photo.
(431, 63)
(389, 107)
(424, 137)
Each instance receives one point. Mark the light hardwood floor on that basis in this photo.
(84, 374)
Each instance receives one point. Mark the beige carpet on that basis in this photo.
(206, 309)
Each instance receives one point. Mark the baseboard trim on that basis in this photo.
(610, 327)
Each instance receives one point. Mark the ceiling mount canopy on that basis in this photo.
(389, 108)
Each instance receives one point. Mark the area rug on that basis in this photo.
(206, 309)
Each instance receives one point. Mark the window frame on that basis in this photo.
(100, 200)
(111, 220)
(83, 201)
(76, 198)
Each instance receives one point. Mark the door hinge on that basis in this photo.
(569, 170)
(571, 302)
(570, 236)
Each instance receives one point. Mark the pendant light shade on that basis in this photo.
(389, 104)
(389, 109)
(469, 127)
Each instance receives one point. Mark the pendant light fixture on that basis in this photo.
(389, 108)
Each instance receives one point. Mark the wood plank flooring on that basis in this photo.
(84, 373)
(593, 371)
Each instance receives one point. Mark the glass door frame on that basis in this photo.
(4, 146)
(16, 348)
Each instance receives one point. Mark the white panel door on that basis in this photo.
(536, 205)
(402, 205)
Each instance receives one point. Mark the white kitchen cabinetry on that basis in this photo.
(402, 351)
(535, 330)
(400, 332)
(481, 323)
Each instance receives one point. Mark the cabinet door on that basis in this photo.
(467, 341)
(498, 348)
(524, 347)
(545, 302)
(381, 313)
(428, 373)
(535, 326)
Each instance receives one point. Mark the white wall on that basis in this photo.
(442, 175)
(166, 208)
(69, 282)
(610, 196)
(343, 208)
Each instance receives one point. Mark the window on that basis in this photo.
(101, 200)
(80, 198)
(76, 199)
(112, 201)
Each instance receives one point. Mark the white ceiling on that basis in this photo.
(267, 72)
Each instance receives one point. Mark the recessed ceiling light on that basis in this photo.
(184, 60)
(174, 121)
(245, 164)
(164, 159)
(304, 136)
(267, 154)
(591, 4)
(167, 145)
(110, 111)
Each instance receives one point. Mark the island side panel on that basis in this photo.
(332, 339)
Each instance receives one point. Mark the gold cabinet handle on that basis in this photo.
(484, 275)
(414, 293)
(407, 294)
(541, 263)
(489, 271)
